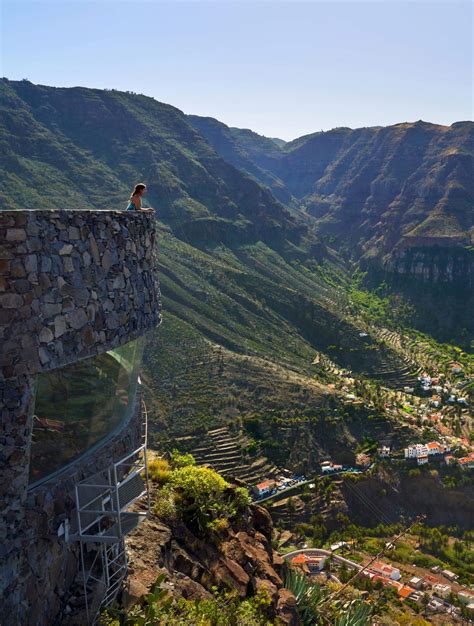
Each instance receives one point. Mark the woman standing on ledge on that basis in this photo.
(135, 203)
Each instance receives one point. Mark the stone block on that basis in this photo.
(16, 234)
(11, 300)
(46, 263)
(46, 336)
(31, 263)
(77, 318)
(59, 325)
(66, 249)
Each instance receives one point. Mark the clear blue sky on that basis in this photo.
(281, 68)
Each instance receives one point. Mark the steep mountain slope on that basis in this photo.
(247, 151)
(235, 264)
(89, 146)
(371, 187)
(399, 200)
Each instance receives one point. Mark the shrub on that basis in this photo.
(159, 608)
(159, 471)
(164, 505)
(179, 460)
(202, 496)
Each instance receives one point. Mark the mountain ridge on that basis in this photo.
(394, 201)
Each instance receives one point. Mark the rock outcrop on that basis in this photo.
(242, 560)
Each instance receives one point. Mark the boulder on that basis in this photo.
(286, 608)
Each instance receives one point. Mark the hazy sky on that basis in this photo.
(281, 68)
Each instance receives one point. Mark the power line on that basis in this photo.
(375, 558)
(367, 502)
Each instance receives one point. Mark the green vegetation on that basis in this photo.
(316, 606)
(161, 609)
(198, 495)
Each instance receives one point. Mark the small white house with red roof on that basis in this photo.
(264, 488)
(467, 462)
(385, 570)
(434, 448)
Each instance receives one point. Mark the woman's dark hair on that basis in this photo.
(138, 188)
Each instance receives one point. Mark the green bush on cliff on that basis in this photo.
(178, 459)
(203, 497)
(198, 495)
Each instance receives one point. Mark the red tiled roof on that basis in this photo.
(266, 483)
(382, 567)
(299, 558)
(405, 591)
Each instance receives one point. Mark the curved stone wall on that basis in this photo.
(73, 284)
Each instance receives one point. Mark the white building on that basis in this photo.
(418, 449)
(422, 459)
(466, 597)
(442, 591)
(387, 571)
(415, 582)
(449, 575)
(262, 489)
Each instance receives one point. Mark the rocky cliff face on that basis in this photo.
(399, 200)
(371, 189)
(243, 560)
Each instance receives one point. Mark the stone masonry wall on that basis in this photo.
(72, 285)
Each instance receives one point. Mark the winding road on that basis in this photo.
(352, 470)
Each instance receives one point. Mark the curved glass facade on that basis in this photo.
(80, 405)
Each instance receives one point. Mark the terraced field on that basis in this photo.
(226, 453)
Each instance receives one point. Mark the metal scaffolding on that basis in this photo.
(109, 505)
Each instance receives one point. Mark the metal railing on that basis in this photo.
(109, 505)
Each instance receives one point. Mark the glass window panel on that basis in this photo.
(80, 405)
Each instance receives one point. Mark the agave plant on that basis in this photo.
(354, 613)
(308, 596)
(313, 606)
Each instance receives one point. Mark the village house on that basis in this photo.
(362, 459)
(467, 462)
(384, 451)
(466, 597)
(415, 582)
(388, 571)
(422, 459)
(307, 564)
(435, 605)
(416, 450)
(425, 379)
(264, 488)
(442, 591)
(404, 592)
(456, 368)
(449, 459)
(449, 575)
(434, 447)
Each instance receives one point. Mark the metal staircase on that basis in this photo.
(109, 505)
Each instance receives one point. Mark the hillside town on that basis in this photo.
(437, 591)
